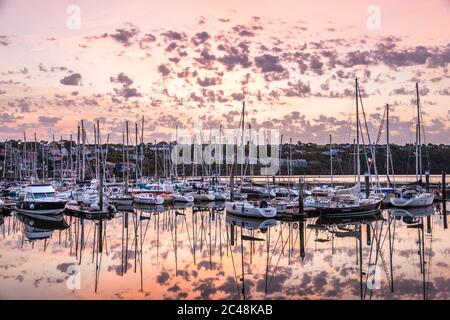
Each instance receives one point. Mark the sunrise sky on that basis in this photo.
(176, 62)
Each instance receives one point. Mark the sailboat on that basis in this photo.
(348, 202)
(388, 192)
(414, 196)
(245, 208)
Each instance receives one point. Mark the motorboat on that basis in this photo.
(285, 206)
(148, 198)
(413, 198)
(121, 198)
(250, 210)
(39, 199)
(202, 195)
(180, 197)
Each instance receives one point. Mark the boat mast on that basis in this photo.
(331, 162)
(83, 151)
(137, 152)
(127, 158)
(358, 164)
(176, 145)
(221, 150)
(242, 141)
(418, 138)
(387, 145)
(35, 174)
(142, 147)
(156, 159)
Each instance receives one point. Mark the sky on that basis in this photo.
(177, 63)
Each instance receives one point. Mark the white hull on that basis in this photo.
(245, 209)
(182, 198)
(221, 197)
(121, 201)
(421, 200)
(204, 197)
(155, 200)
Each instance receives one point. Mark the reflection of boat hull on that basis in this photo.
(37, 228)
(36, 233)
(412, 212)
(181, 205)
(55, 223)
(149, 208)
(219, 205)
(250, 224)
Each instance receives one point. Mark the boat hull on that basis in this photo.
(351, 211)
(421, 201)
(40, 208)
(243, 210)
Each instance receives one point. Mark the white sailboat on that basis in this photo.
(348, 202)
(415, 196)
(245, 208)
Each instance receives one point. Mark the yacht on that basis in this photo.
(250, 210)
(415, 196)
(148, 198)
(39, 199)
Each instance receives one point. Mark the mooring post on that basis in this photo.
(366, 183)
(100, 236)
(232, 226)
(300, 196)
(301, 230)
(444, 198)
(368, 235)
(444, 191)
(427, 180)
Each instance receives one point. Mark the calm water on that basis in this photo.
(178, 254)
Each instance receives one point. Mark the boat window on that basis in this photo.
(41, 195)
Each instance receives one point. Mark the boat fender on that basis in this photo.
(32, 206)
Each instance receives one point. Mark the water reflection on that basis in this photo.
(199, 252)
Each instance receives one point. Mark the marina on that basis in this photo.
(205, 253)
(234, 153)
